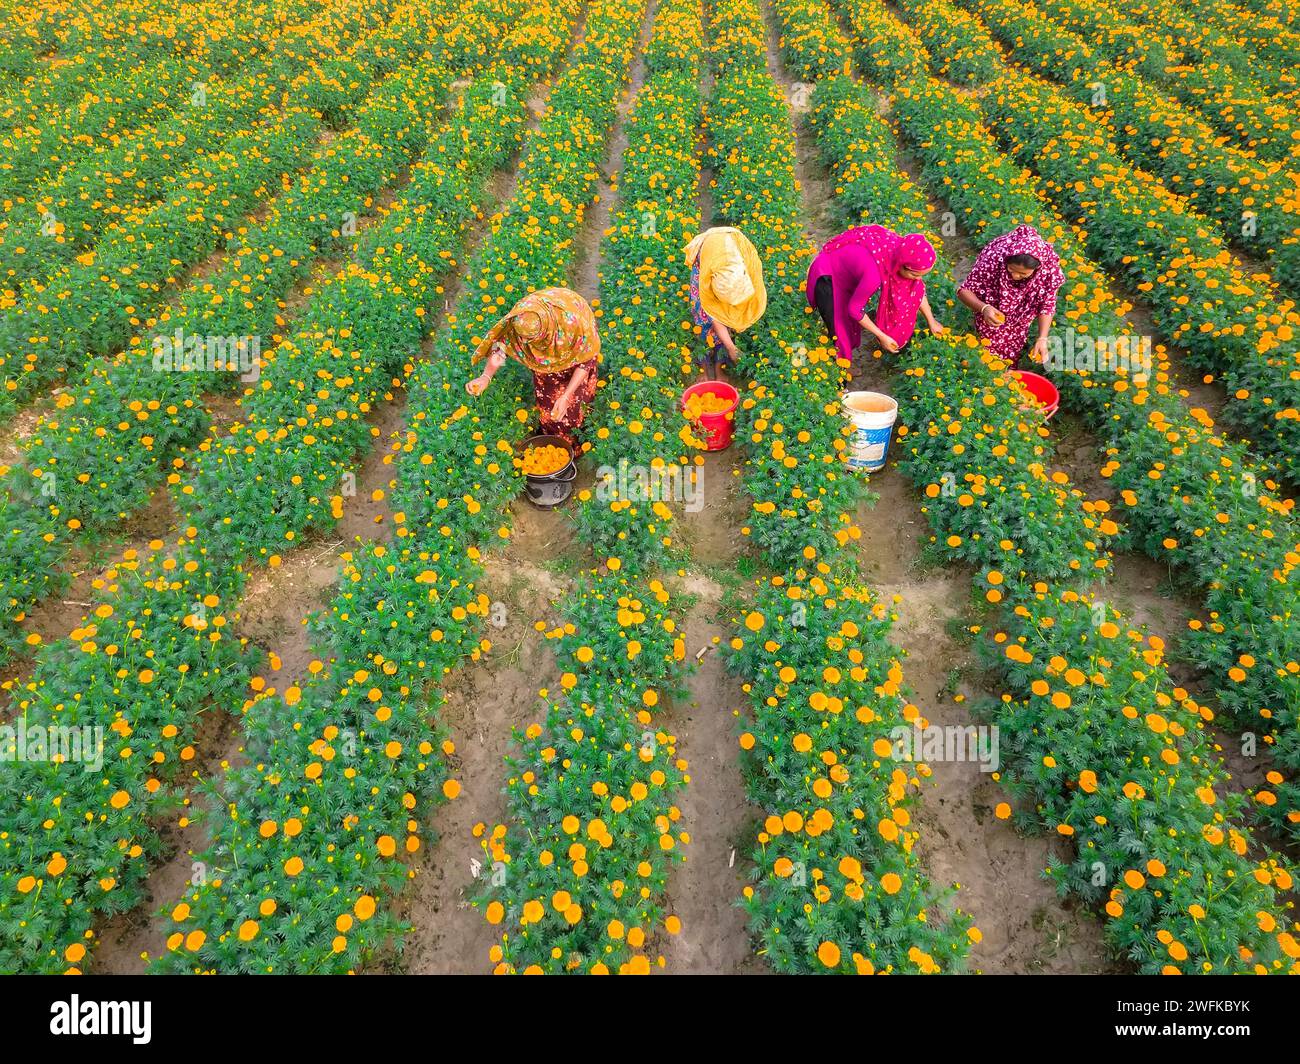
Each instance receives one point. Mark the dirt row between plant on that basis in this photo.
(706, 886)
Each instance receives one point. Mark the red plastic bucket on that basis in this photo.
(1041, 389)
(715, 429)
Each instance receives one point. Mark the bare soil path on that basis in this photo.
(704, 889)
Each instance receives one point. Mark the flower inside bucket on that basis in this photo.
(1049, 398)
(711, 405)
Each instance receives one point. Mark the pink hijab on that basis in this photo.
(900, 297)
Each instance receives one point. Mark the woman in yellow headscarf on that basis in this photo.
(552, 332)
(727, 293)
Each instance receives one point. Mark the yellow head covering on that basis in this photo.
(529, 326)
(731, 277)
(549, 331)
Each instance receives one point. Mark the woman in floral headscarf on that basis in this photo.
(1013, 282)
(552, 332)
(727, 293)
(852, 267)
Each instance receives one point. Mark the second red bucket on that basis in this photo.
(1041, 389)
(717, 424)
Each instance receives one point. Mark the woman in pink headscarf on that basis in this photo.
(1013, 282)
(853, 267)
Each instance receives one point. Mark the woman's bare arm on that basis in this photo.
(985, 310)
(724, 337)
(1044, 329)
(495, 360)
(578, 379)
(928, 313)
(561, 405)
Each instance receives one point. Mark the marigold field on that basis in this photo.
(297, 680)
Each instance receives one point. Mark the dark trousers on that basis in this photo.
(824, 298)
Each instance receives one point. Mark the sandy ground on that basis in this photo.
(704, 889)
(486, 701)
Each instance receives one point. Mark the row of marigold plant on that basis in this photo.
(1190, 496)
(158, 649)
(120, 428)
(837, 884)
(579, 868)
(1093, 731)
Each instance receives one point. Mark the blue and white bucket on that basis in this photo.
(872, 416)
